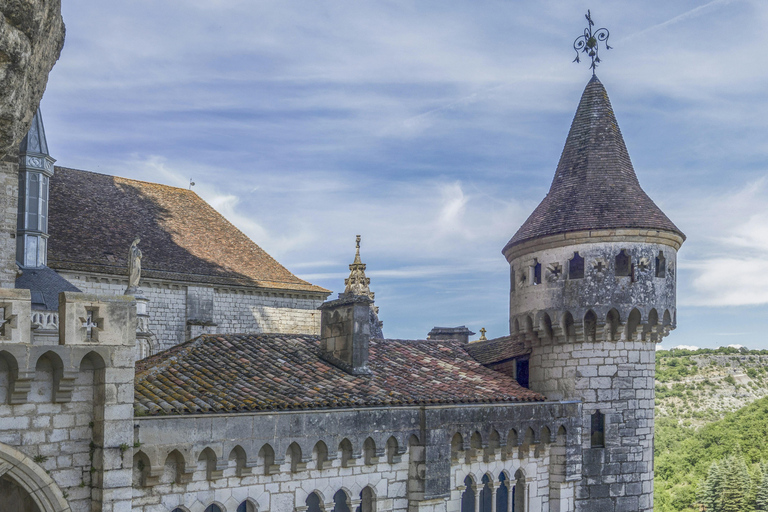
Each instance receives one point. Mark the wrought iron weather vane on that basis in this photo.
(589, 42)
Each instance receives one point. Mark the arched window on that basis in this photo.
(340, 502)
(213, 508)
(518, 492)
(623, 263)
(512, 279)
(246, 506)
(486, 495)
(661, 265)
(367, 500)
(177, 510)
(313, 503)
(576, 267)
(598, 430)
(502, 494)
(468, 496)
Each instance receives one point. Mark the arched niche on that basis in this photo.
(28, 482)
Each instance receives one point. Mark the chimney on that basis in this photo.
(460, 334)
(348, 323)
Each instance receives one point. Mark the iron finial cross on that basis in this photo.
(588, 42)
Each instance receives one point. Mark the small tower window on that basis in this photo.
(576, 267)
(512, 279)
(623, 263)
(536, 271)
(598, 430)
(661, 265)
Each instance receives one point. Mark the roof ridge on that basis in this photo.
(131, 179)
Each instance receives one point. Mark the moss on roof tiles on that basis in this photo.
(278, 372)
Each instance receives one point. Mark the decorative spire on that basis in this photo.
(482, 335)
(357, 283)
(33, 150)
(588, 42)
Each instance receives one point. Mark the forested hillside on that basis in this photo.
(711, 439)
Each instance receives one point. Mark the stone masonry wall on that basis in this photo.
(616, 378)
(233, 311)
(9, 201)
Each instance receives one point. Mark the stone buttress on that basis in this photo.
(593, 274)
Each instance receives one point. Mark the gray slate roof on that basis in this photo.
(45, 285)
(595, 186)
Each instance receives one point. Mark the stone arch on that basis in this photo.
(174, 467)
(181, 508)
(345, 451)
(248, 506)
(486, 493)
(512, 439)
(528, 323)
(667, 319)
(392, 449)
(208, 458)
(530, 436)
(266, 459)
(545, 325)
(214, 507)
(240, 459)
(546, 435)
(367, 499)
(341, 501)
(494, 441)
(468, 496)
(569, 327)
(516, 326)
(141, 468)
(293, 454)
(315, 502)
(590, 326)
(475, 445)
(320, 455)
(562, 433)
(633, 322)
(457, 446)
(502, 492)
(369, 451)
(519, 491)
(612, 323)
(49, 368)
(9, 372)
(31, 479)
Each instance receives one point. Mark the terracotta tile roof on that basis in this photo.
(262, 372)
(595, 186)
(496, 350)
(95, 217)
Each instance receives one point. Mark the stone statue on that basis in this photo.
(134, 267)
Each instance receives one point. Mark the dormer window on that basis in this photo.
(576, 267)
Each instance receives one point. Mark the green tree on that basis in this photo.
(761, 496)
(709, 493)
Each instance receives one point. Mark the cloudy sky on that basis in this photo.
(432, 128)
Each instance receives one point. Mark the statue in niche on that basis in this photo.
(134, 267)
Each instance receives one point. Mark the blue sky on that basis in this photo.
(433, 129)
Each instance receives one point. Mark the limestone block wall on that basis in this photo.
(232, 310)
(9, 201)
(615, 378)
(66, 407)
(408, 458)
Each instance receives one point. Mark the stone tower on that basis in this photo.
(593, 289)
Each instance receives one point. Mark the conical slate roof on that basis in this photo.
(595, 186)
(34, 141)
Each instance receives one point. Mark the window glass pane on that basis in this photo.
(41, 252)
(30, 258)
(44, 204)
